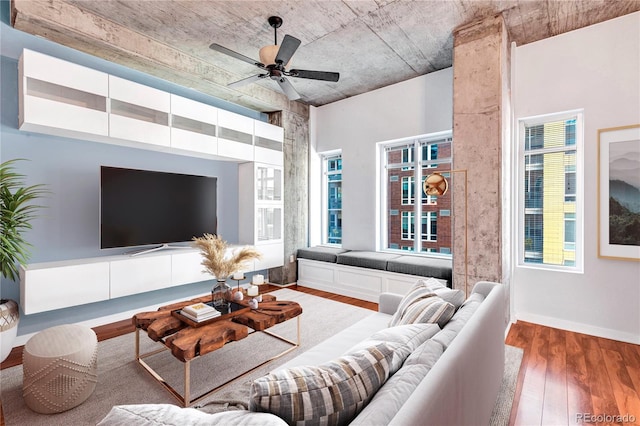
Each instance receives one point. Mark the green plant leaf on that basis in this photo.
(16, 213)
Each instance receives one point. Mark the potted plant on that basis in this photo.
(221, 263)
(16, 212)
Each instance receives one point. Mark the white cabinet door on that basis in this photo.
(235, 136)
(138, 113)
(261, 205)
(140, 274)
(193, 126)
(45, 287)
(268, 140)
(60, 97)
(187, 268)
(272, 256)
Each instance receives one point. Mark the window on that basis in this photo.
(405, 164)
(429, 226)
(550, 194)
(408, 226)
(332, 199)
(407, 190)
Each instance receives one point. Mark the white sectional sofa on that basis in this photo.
(425, 374)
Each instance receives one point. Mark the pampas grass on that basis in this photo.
(217, 261)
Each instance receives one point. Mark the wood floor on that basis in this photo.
(565, 378)
(569, 378)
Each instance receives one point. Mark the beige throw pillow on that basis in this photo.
(422, 304)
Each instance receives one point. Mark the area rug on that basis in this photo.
(122, 381)
(502, 409)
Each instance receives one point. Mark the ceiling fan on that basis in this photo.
(274, 61)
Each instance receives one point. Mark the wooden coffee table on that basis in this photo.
(187, 339)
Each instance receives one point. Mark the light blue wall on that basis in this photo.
(68, 227)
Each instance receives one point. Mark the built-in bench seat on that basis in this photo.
(366, 274)
(322, 254)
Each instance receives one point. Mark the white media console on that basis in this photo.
(97, 279)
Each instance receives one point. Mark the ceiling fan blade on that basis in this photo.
(222, 49)
(288, 89)
(247, 80)
(315, 75)
(287, 49)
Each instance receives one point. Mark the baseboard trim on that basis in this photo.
(576, 327)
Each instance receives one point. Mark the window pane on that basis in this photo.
(404, 190)
(333, 203)
(549, 184)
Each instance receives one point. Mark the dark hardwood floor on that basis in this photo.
(565, 378)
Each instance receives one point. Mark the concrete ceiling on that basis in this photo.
(371, 43)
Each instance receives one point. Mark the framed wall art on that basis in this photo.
(619, 193)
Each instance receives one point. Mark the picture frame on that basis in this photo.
(619, 193)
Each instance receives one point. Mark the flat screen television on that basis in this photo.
(142, 207)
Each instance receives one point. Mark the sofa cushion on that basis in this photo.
(393, 394)
(459, 319)
(428, 309)
(366, 259)
(422, 266)
(332, 393)
(404, 339)
(323, 254)
(338, 344)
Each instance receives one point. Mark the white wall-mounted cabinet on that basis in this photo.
(272, 256)
(262, 211)
(235, 136)
(193, 126)
(187, 268)
(138, 113)
(139, 274)
(268, 141)
(54, 285)
(61, 98)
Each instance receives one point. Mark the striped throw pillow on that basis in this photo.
(422, 304)
(330, 394)
(430, 310)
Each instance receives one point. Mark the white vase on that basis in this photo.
(9, 318)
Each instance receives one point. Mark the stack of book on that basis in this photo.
(200, 312)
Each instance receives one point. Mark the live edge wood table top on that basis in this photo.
(187, 342)
(187, 339)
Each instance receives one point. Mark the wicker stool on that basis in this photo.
(59, 366)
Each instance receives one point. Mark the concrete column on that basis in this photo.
(480, 96)
(296, 184)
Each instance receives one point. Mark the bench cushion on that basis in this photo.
(366, 259)
(422, 266)
(323, 254)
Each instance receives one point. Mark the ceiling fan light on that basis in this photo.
(268, 55)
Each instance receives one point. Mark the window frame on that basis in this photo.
(326, 157)
(521, 205)
(418, 164)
